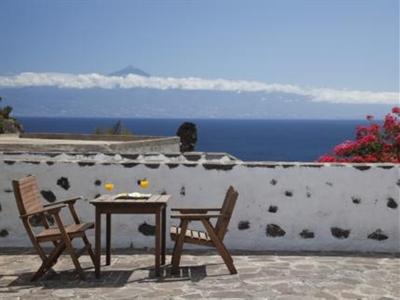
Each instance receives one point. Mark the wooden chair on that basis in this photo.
(213, 237)
(29, 205)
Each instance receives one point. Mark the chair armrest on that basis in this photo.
(195, 216)
(65, 201)
(195, 210)
(51, 210)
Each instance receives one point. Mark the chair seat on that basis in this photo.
(53, 233)
(191, 236)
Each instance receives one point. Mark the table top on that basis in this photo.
(110, 199)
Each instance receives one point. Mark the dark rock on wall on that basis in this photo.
(49, 196)
(36, 220)
(340, 233)
(243, 225)
(378, 235)
(306, 234)
(273, 181)
(219, 167)
(172, 166)
(8, 190)
(273, 209)
(3, 233)
(152, 166)
(183, 191)
(147, 229)
(391, 203)
(274, 230)
(288, 193)
(129, 165)
(362, 168)
(97, 182)
(86, 164)
(356, 200)
(64, 183)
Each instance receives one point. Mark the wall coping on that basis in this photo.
(210, 160)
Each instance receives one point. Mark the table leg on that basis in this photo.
(163, 230)
(158, 240)
(97, 243)
(108, 239)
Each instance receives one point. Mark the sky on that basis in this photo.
(341, 44)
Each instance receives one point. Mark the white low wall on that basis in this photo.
(281, 206)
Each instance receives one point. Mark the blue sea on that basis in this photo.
(249, 140)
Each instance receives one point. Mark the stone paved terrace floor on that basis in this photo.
(203, 275)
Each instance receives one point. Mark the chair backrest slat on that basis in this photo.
(221, 226)
(26, 193)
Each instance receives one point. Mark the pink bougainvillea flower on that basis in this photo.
(373, 143)
(396, 110)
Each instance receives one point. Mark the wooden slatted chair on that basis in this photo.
(212, 237)
(30, 205)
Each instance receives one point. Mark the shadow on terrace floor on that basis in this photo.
(109, 278)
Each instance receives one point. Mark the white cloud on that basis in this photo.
(85, 81)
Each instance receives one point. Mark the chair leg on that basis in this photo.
(49, 261)
(67, 240)
(75, 260)
(180, 238)
(90, 250)
(220, 246)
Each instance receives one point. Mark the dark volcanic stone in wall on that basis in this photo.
(36, 220)
(3, 233)
(9, 162)
(288, 193)
(356, 200)
(340, 233)
(147, 229)
(86, 164)
(129, 165)
(378, 235)
(243, 225)
(274, 230)
(64, 183)
(97, 182)
(391, 203)
(218, 167)
(306, 234)
(8, 191)
(152, 166)
(398, 182)
(273, 209)
(49, 196)
(1, 208)
(273, 181)
(362, 168)
(183, 191)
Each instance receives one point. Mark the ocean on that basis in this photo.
(249, 140)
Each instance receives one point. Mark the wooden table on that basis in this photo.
(108, 205)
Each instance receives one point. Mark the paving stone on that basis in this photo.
(203, 275)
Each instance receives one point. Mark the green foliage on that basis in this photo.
(116, 129)
(5, 118)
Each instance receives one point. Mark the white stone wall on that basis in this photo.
(281, 206)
